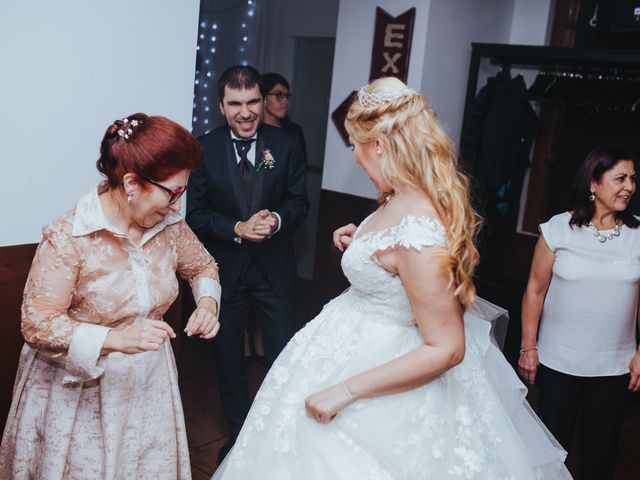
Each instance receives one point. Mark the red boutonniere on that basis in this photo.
(267, 160)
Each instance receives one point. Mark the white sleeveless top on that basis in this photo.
(588, 321)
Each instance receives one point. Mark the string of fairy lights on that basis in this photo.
(205, 96)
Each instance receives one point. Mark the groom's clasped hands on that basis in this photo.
(257, 228)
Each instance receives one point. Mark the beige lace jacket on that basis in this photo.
(79, 414)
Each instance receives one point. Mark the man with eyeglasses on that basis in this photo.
(276, 93)
(245, 204)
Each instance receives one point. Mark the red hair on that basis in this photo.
(156, 148)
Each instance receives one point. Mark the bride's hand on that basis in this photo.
(342, 237)
(323, 406)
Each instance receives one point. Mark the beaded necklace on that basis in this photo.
(604, 237)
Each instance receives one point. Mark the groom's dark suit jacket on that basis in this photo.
(216, 201)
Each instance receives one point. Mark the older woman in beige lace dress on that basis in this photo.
(96, 394)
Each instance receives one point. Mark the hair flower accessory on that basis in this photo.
(267, 160)
(127, 128)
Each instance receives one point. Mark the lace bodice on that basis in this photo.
(382, 291)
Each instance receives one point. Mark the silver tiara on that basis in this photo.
(126, 131)
(374, 99)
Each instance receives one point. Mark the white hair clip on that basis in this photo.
(374, 99)
(127, 132)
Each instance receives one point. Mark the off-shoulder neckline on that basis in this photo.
(404, 220)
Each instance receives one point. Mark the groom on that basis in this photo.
(244, 204)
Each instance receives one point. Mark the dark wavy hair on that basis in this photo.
(598, 161)
(270, 80)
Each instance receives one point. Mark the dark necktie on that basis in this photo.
(246, 169)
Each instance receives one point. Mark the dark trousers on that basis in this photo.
(274, 315)
(599, 402)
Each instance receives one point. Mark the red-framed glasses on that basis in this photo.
(175, 194)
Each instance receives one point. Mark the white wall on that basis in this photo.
(439, 66)
(531, 22)
(453, 25)
(351, 65)
(297, 18)
(69, 69)
(446, 64)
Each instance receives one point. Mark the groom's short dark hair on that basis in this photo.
(239, 77)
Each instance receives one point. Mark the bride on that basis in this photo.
(397, 378)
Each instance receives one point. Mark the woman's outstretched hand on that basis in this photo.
(343, 236)
(528, 366)
(142, 337)
(204, 319)
(323, 406)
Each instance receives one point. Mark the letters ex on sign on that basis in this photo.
(392, 45)
(389, 57)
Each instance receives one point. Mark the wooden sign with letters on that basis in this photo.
(392, 45)
(389, 57)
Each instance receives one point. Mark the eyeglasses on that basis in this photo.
(175, 194)
(281, 95)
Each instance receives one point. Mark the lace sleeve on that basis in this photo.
(46, 324)
(415, 232)
(196, 265)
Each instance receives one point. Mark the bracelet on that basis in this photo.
(525, 350)
(347, 390)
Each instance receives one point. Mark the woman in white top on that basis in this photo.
(583, 294)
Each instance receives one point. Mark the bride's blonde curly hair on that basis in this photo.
(418, 152)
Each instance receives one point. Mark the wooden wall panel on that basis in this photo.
(336, 209)
(15, 262)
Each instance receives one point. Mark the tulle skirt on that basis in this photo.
(472, 422)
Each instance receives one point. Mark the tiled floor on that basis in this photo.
(206, 427)
(207, 430)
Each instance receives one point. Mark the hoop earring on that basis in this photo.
(592, 197)
(129, 198)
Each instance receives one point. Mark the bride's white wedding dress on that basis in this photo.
(470, 423)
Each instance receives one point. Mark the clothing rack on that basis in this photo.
(624, 63)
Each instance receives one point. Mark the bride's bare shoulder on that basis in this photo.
(414, 203)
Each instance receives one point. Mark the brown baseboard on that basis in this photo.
(336, 209)
(15, 262)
